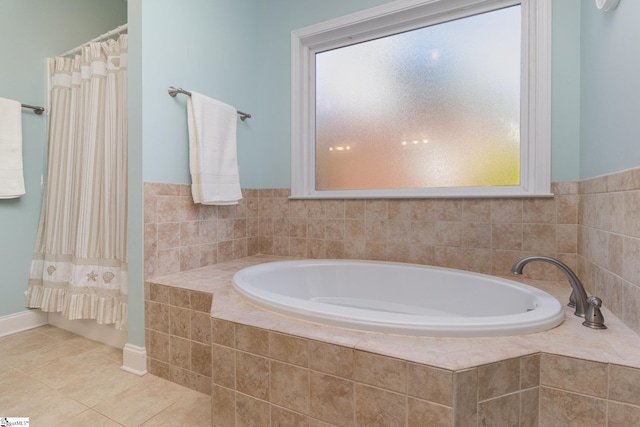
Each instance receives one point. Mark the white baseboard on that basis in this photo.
(105, 334)
(134, 359)
(18, 322)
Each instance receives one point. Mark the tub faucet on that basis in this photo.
(579, 294)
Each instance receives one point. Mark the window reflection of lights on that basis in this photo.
(340, 148)
(415, 142)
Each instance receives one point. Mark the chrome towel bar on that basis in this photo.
(174, 91)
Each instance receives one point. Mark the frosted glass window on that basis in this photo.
(438, 106)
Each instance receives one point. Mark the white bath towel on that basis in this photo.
(213, 156)
(11, 175)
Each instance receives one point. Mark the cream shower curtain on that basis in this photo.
(79, 266)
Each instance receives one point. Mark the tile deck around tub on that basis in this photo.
(617, 345)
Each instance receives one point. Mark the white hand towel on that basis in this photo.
(11, 176)
(213, 156)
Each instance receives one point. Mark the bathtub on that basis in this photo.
(406, 299)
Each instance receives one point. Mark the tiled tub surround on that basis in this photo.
(273, 370)
(592, 225)
(482, 235)
(609, 242)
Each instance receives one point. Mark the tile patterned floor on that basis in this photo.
(57, 378)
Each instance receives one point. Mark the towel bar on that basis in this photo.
(174, 91)
(37, 110)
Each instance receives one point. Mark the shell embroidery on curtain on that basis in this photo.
(79, 266)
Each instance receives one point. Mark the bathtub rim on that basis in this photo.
(549, 315)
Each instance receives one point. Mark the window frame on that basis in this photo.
(405, 15)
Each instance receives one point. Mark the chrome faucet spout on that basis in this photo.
(576, 284)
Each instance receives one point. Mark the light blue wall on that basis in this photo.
(245, 60)
(565, 91)
(235, 51)
(610, 89)
(207, 46)
(135, 220)
(32, 30)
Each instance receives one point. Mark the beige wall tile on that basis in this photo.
(432, 384)
(252, 375)
(158, 345)
(529, 407)
(507, 236)
(378, 407)
(317, 423)
(180, 297)
(223, 366)
(168, 235)
(251, 412)
(624, 384)
(375, 209)
(168, 261)
(201, 358)
(201, 327)
(630, 266)
(290, 387)
(631, 305)
(476, 235)
(621, 415)
(557, 406)
(200, 301)
(331, 359)
(380, 371)
(567, 209)
(332, 399)
(539, 237)
(281, 417)
(506, 211)
(539, 210)
(288, 348)
(189, 233)
(334, 229)
(223, 332)
(180, 322)
(529, 371)
(577, 375)
(189, 258)
(476, 210)
(158, 368)
(421, 414)
(501, 411)
(465, 397)
(157, 316)
(179, 352)
(252, 340)
(497, 379)
(399, 209)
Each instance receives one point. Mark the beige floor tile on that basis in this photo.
(44, 406)
(19, 392)
(95, 387)
(64, 371)
(141, 402)
(192, 409)
(38, 357)
(93, 419)
(57, 378)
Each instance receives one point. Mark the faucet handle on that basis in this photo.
(572, 299)
(594, 318)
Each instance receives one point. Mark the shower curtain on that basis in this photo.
(79, 266)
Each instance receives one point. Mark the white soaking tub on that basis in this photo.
(406, 299)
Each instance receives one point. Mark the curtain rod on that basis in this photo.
(37, 110)
(120, 29)
(174, 91)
